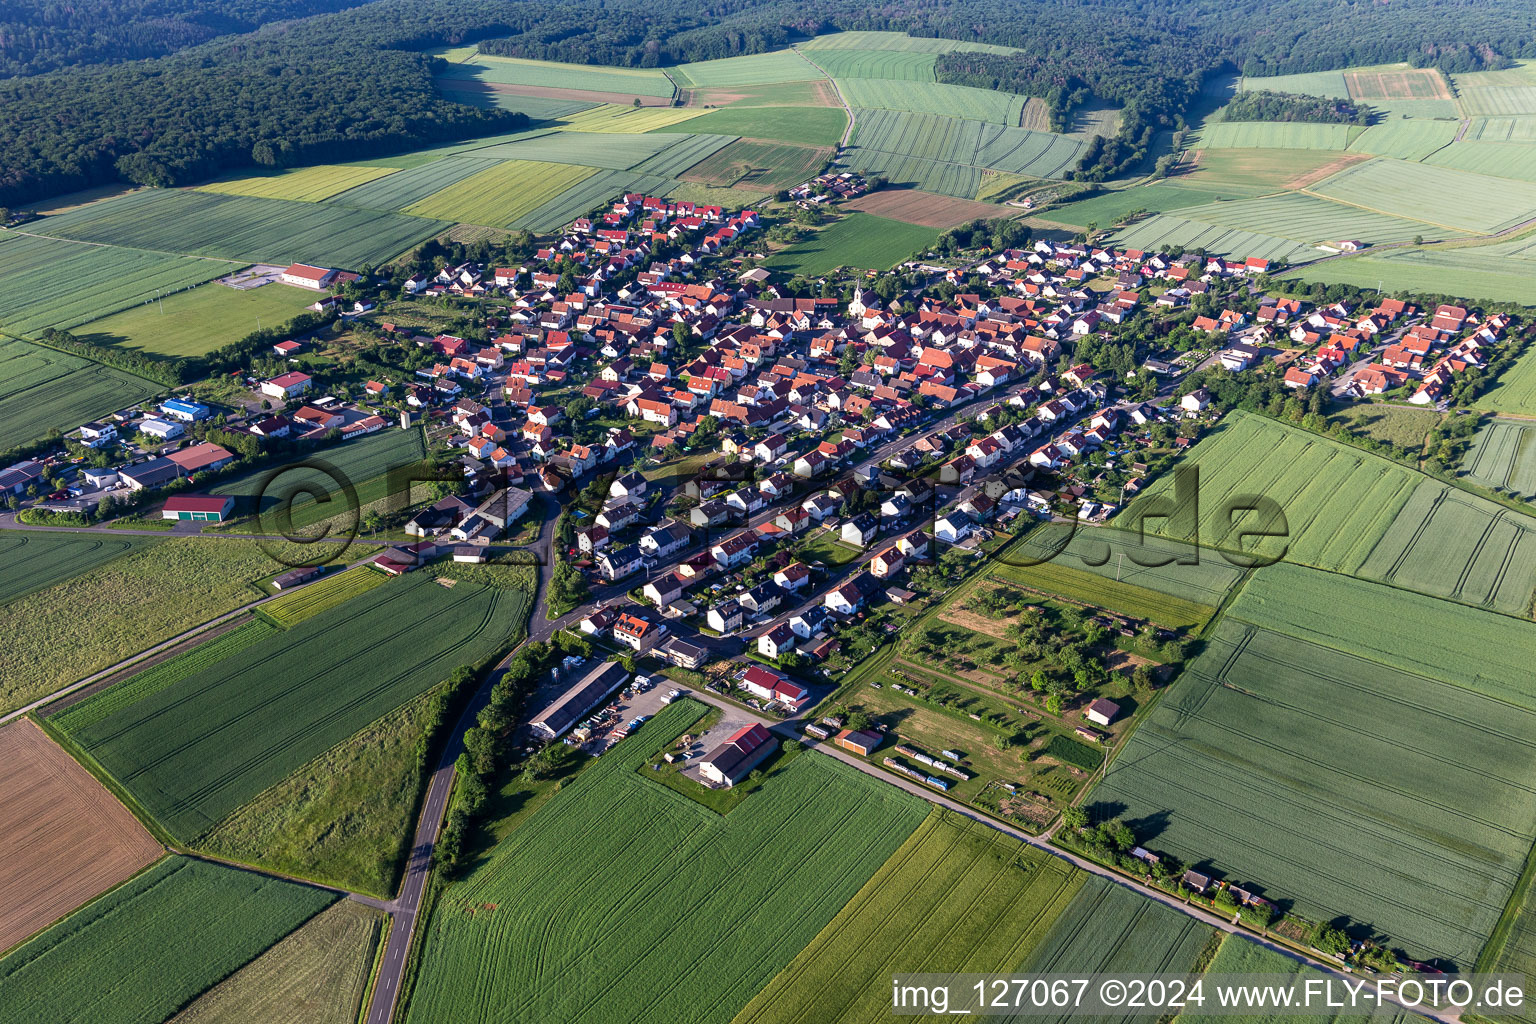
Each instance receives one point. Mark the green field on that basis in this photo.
(687, 911)
(1403, 426)
(1502, 129)
(1250, 172)
(963, 181)
(590, 194)
(934, 98)
(401, 189)
(345, 818)
(754, 69)
(195, 322)
(36, 560)
(687, 151)
(1407, 140)
(243, 228)
(102, 280)
(622, 119)
(768, 166)
(1514, 393)
(1503, 457)
(553, 75)
(310, 184)
(1267, 135)
(1424, 271)
(1174, 229)
(1309, 83)
(958, 141)
(860, 40)
(1349, 511)
(151, 945)
(857, 240)
(499, 195)
(957, 896)
(1500, 159)
(42, 389)
(1435, 195)
(811, 126)
(1496, 93)
(1243, 956)
(1309, 219)
(309, 601)
(195, 751)
(1298, 755)
(615, 152)
(711, 195)
(1105, 209)
(1099, 567)
(316, 975)
(364, 461)
(898, 65)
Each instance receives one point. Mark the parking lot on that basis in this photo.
(625, 707)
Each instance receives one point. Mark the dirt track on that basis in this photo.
(63, 837)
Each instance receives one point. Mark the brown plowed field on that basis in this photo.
(63, 837)
(926, 209)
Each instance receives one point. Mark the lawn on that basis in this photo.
(347, 817)
(710, 195)
(499, 195)
(956, 897)
(195, 322)
(811, 126)
(136, 601)
(152, 945)
(196, 750)
(857, 240)
(1503, 456)
(102, 280)
(1330, 748)
(240, 228)
(825, 547)
(317, 975)
(37, 560)
(686, 910)
(309, 184)
(767, 166)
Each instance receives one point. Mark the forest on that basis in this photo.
(349, 82)
(1263, 105)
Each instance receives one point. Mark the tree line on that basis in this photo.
(1263, 105)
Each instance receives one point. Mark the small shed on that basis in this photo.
(1102, 711)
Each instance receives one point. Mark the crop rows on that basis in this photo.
(42, 389)
(955, 897)
(934, 98)
(1511, 91)
(309, 184)
(594, 192)
(554, 75)
(152, 945)
(1502, 129)
(769, 68)
(615, 118)
(1309, 219)
(944, 154)
(307, 602)
(37, 560)
(1350, 786)
(767, 166)
(590, 149)
(500, 195)
(101, 280)
(1503, 456)
(689, 150)
(1452, 544)
(1407, 140)
(1268, 135)
(198, 749)
(900, 65)
(243, 228)
(1116, 554)
(1500, 159)
(358, 461)
(861, 40)
(167, 673)
(1438, 195)
(686, 910)
(1516, 389)
(401, 189)
(1165, 229)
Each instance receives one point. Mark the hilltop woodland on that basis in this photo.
(1263, 105)
(348, 84)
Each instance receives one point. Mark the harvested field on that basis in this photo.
(926, 209)
(63, 837)
(317, 975)
(753, 164)
(956, 897)
(152, 945)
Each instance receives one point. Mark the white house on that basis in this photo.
(778, 640)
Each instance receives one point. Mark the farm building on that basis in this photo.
(863, 742)
(590, 691)
(302, 275)
(294, 577)
(1102, 711)
(734, 759)
(287, 385)
(197, 508)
